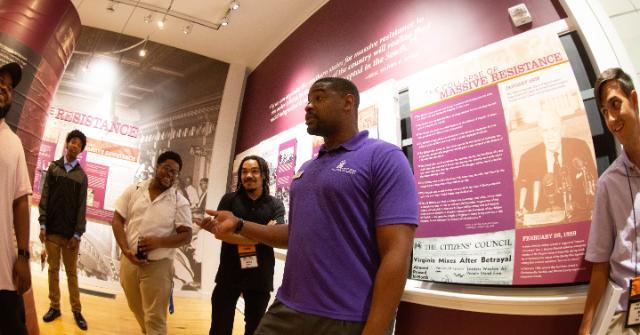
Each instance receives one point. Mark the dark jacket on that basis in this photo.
(63, 203)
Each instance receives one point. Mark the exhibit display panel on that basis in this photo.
(497, 207)
(504, 164)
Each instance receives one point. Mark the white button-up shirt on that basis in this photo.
(612, 237)
(159, 217)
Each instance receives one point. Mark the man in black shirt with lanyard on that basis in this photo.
(246, 267)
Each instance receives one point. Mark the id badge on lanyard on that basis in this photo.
(248, 256)
(633, 311)
(633, 314)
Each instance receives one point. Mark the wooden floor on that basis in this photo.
(112, 316)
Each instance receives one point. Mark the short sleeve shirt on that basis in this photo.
(612, 236)
(261, 211)
(159, 217)
(337, 201)
(14, 183)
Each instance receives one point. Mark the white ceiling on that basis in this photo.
(255, 29)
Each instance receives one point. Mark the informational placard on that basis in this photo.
(97, 175)
(110, 163)
(368, 120)
(285, 171)
(45, 156)
(286, 163)
(504, 164)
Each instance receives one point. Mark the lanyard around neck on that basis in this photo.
(635, 222)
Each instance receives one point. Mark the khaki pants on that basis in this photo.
(617, 325)
(147, 288)
(56, 245)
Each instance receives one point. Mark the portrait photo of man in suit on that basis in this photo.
(555, 176)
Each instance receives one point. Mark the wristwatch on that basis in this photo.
(239, 225)
(24, 253)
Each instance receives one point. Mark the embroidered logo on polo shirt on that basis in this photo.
(340, 168)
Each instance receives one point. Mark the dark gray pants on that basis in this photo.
(282, 320)
(12, 320)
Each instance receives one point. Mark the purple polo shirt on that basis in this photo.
(613, 231)
(337, 201)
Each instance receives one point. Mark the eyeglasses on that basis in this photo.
(168, 170)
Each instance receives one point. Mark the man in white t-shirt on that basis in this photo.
(151, 220)
(15, 188)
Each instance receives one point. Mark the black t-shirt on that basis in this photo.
(262, 210)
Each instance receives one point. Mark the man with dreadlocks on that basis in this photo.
(246, 266)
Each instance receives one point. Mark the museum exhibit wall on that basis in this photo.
(463, 60)
(132, 109)
(466, 60)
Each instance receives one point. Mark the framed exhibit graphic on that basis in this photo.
(504, 165)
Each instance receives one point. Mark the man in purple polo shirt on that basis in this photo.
(353, 214)
(613, 239)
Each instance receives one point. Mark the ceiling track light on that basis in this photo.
(187, 29)
(111, 7)
(233, 5)
(148, 18)
(143, 52)
(161, 23)
(154, 11)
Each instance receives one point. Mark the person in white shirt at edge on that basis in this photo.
(151, 220)
(613, 239)
(15, 188)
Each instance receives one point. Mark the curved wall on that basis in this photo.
(40, 35)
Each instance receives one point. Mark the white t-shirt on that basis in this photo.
(161, 217)
(14, 183)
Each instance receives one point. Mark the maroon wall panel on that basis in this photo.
(341, 27)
